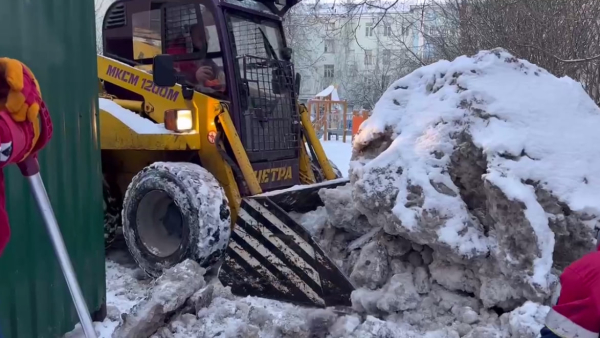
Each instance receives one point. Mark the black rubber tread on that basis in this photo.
(203, 206)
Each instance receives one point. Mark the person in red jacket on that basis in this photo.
(577, 311)
(205, 74)
(20, 100)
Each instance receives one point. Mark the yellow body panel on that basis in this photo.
(306, 174)
(145, 50)
(314, 141)
(116, 135)
(140, 82)
(240, 153)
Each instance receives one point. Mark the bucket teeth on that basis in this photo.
(304, 198)
(272, 256)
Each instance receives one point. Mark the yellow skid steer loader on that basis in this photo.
(205, 148)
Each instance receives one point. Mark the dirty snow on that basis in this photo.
(530, 124)
(123, 290)
(221, 314)
(126, 286)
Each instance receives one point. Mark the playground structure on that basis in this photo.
(330, 117)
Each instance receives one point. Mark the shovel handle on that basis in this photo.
(30, 168)
(43, 203)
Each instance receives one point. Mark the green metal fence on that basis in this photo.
(56, 39)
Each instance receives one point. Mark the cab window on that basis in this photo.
(188, 32)
(146, 35)
(191, 37)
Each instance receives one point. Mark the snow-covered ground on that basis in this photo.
(126, 286)
(339, 153)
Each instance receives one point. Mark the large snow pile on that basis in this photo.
(472, 185)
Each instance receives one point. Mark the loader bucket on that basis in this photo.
(302, 198)
(272, 256)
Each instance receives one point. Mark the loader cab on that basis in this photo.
(135, 31)
(233, 50)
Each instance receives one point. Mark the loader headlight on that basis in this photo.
(179, 120)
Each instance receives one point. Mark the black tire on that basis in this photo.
(319, 176)
(113, 205)
(172, 212)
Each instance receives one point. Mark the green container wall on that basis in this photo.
(56, 39)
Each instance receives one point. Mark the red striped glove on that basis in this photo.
(20, 101)
(20, 96)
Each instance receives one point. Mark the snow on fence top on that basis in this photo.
(534, 129)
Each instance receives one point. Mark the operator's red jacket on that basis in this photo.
(20, 101)
(577, 312)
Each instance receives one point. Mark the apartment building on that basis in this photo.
(360, 49)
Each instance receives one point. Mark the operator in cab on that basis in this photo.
(209, 74)
(205, 74)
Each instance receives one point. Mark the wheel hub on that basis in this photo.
(160, 223)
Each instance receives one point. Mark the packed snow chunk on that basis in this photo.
(232, 317)
(463, 156)
(313, 221)
(372, 268)
(344, 326)
(399, 294)
(342, 212)
(373, 327)
(525, 321)
(123, 290)
(168, 294)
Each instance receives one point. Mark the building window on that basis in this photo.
(386, 55)
(428, 51)
(369, 29)
(430, 15)
(306, 83)
(368, 57)
(387, 30)
(328, 71)
(329, 46)
(430, 30)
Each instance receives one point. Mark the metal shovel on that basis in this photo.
(30, 168)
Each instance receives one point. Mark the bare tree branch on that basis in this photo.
(562, 60)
